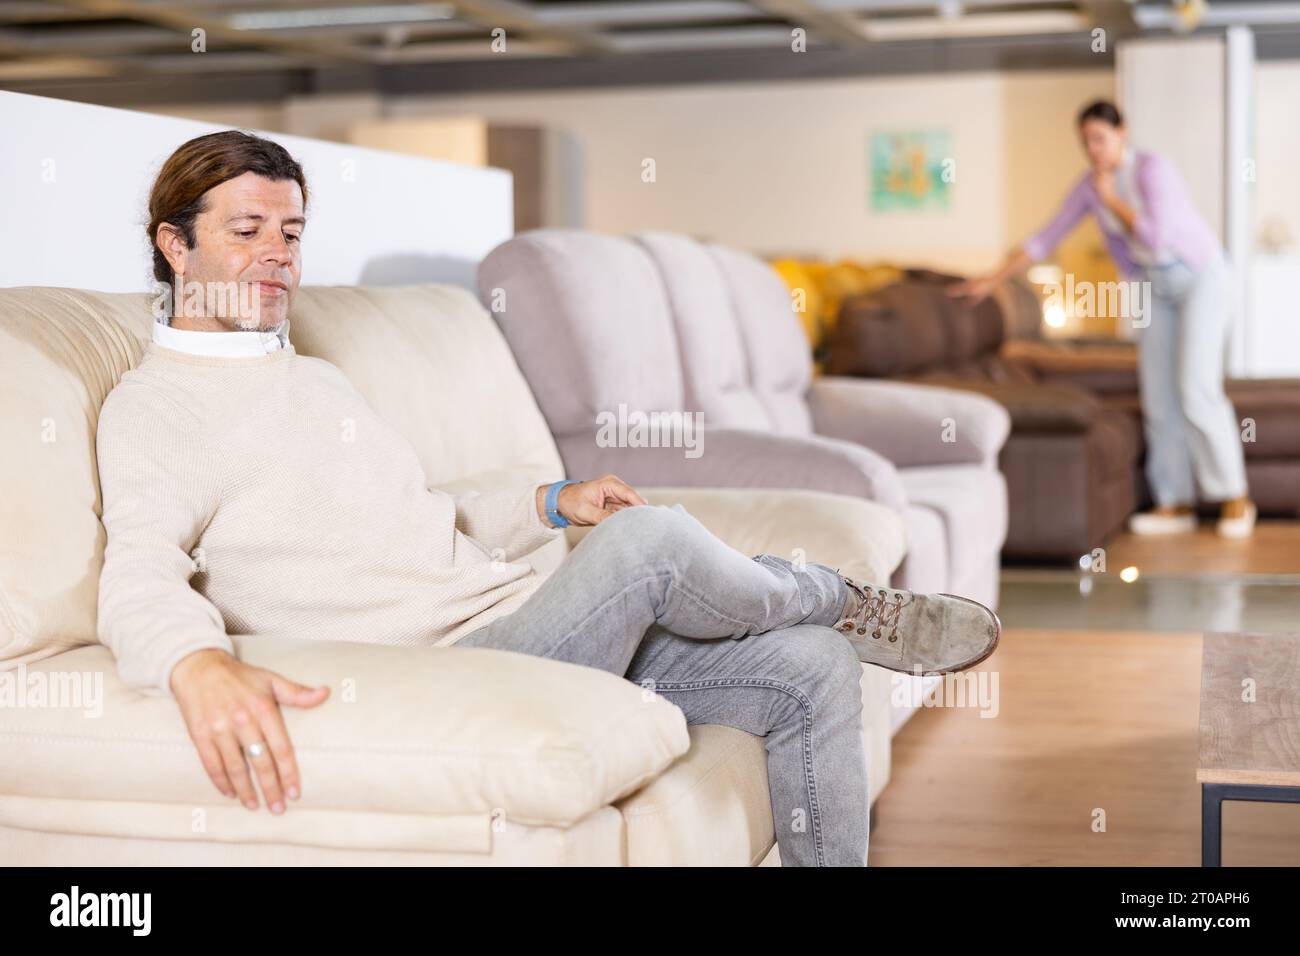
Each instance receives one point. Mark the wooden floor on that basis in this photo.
(1273, 549)
(1087, 721)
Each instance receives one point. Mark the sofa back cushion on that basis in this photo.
(589, 324)
(432, 363)
(779, 354)
(61, 352)
(746, 359)
(1021, 308)
(715, 366)
(973, 331)
(427, 358)
(914, 328)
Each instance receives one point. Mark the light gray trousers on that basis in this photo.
(653, 595)
(1193, 436)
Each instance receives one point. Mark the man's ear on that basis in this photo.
(171, 241)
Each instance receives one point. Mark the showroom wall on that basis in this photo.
(782, 167)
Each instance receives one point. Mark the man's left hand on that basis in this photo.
(591, 502)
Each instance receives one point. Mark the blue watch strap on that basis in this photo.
(552, 497)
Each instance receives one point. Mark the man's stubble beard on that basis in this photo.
(272, 319)
(257, 325)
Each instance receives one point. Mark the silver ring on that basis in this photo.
(255, 750)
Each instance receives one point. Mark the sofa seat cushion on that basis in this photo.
(415, 748)
(710, 808)
(972, 502)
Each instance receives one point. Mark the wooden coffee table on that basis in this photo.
(1249, 750)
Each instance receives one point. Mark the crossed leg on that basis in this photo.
(650, 594)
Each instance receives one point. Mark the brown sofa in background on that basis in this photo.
(1073, 463)
(1110, 374)
(1070, 462)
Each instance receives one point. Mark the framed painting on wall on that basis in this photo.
(911, 170)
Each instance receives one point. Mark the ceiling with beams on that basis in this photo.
(222, 49)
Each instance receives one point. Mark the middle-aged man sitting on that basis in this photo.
(225, 444)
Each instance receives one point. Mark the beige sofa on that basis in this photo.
(421, 756)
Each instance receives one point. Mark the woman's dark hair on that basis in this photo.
(1103, 110)
(205, 162)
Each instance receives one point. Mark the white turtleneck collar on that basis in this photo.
(221, 344)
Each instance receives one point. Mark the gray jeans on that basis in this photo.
(1193, 436)
(653, 595)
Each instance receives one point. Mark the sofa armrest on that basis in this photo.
(740, 458)
(1040, 408)
(1108, 368)
(911, 425)
(863, 539)
(415, 748)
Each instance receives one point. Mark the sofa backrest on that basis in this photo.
(780, 356)
(715, 368)
(913, 328)
(656, 323)
(61, 352)
(427, 358)
(588, 322)
(432, 363)
(745, 359)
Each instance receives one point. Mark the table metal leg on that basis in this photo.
(1211, 824)
(1212, 797)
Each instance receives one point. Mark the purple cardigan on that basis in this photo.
(1167, 220)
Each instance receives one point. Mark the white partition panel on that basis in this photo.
(1173, 97)
(1239, 177)
(74, 181)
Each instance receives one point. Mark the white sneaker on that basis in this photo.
(1166, 519)
(1237, 518)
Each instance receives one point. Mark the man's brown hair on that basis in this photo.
(199, 165)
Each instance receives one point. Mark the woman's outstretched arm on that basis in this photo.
(1072, 210)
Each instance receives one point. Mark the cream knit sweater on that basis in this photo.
(262, 494)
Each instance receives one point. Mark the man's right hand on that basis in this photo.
(228, 706)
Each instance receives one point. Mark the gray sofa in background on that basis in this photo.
(659, 322)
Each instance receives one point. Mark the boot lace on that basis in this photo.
(875, 610)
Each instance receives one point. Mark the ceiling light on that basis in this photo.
(341, 16)
(976, 25)
(53, 67)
